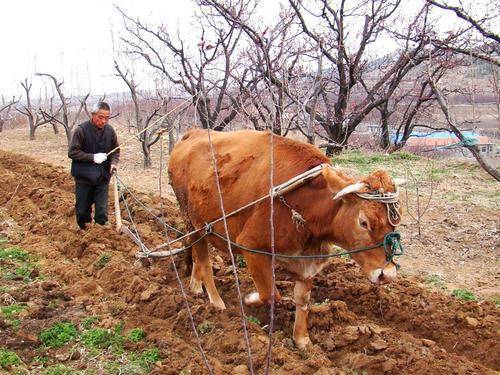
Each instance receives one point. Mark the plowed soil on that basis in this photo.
(400, 328)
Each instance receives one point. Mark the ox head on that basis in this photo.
(364, 218)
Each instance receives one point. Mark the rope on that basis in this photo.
(146, 128)
(179, 281)
(235, 269)
(391, 243)
(161, 221)
(391, 201)
(143, 248)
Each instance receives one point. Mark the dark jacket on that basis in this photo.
(86, 141)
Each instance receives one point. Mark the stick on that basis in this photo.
(153, 124)
(117, 205)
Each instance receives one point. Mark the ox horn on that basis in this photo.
(354, 188)
(399, 181)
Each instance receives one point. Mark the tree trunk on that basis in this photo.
(385, 141)
(2, 121)
(32, 129)
(147, 154)
(171, 140)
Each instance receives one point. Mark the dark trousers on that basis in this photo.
(86, 195)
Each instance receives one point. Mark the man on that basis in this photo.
(91, 166)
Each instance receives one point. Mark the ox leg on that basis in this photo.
(260, 268)
(202, 273)
(302, 295)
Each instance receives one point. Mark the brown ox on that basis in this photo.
(243, 166)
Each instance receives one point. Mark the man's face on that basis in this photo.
(100, 118)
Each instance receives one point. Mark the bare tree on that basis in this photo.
(34, 115)
(351, 86)
(63, 115)
(205, 72)
(149, 115)
(5, 108)
(473, 37)
(455, 128)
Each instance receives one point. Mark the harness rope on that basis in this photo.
(391, 242)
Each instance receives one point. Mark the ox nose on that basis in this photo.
(383, 275)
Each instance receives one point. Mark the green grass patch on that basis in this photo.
(495, 299)
(136, 335)
(103, 260)
(11, 311)
(205, 327)
(240, 261)
(87, 323)
(464, 295)
(14, 253)
(436, 281)
(8, 359)
(253, 319)
(146, 359)
(58, 335)
(101, 338)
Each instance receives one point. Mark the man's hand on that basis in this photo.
(113, 168)
(100, 157)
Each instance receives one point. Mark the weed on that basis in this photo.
(136, 335)
(495, 299)
(146, 359)
(52, 305)
(205, 327)
(25, 271)
(8, 358)
(58, 335)
(14, 253)
(90, 321)
(59, 370)
(103, 260)
(464, 295)
(253, 319)
(41, 360)
(435, 280)
(15, 323)
(104, 338)
(10, 311)
(240, 261)
(185, 371)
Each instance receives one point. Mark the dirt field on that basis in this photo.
(412, 326)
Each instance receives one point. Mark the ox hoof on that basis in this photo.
(219, 304)
(196, 287)
(303, 343)
(253, 300)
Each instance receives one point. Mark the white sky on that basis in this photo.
(72, 39)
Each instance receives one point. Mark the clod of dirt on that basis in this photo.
(378, 345)
(240, 370)
(473, 322)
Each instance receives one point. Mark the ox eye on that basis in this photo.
(363, 223)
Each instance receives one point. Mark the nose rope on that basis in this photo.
(391, 201)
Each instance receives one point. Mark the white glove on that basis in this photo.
(100, 157)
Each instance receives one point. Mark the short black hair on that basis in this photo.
(100, 105)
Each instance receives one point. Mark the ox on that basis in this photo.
(347, 220)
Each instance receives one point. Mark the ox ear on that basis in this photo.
(334, 181)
